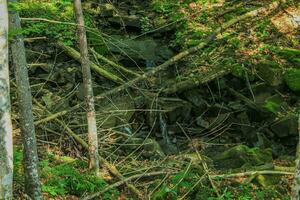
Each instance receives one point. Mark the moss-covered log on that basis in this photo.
(76, 55)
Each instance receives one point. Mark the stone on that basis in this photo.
(115, 114)
(241, 156)
(286, 126)
(127, 21)
(146, 49)
(270, 72)
(104, 10)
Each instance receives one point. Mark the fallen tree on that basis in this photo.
(76, 56)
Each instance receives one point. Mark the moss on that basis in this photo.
(241, 156)
(292, 79)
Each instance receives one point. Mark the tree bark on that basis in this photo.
(88, 89)
(296, 188)
(32, 183)
(6, 151)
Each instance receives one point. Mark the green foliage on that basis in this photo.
(262, 29)
(18, 169)
(59, 180)
(244, 192)
(178, 185)
(56, 10)
(146, 24)
(271, 106)
(70, 179)
(292, 79)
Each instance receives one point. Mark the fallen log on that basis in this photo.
(115, 65)
(255, 13)
(194, 82)
(76, 55)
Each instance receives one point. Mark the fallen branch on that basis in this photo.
(115, 65)
(56, 115)
(189, 84)
(119, 183)
(113, 170)
(259, 12)
(76, 55)
(251, 173)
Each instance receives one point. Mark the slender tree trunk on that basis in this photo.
(6, 155)
(32, 183)
(88, 89)
(296, 187)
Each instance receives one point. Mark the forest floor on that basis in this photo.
(219, 123)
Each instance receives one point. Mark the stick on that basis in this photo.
(189, 84)
(56, 115)
(261, 11)
(250, 173)
(76, 55)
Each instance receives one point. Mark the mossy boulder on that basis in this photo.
(292, 79)
(270, 72)
(151, 148)
(242, 156)
(114, 114)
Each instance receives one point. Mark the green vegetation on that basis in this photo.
(62, 177)
(59, 11)
(234, 102)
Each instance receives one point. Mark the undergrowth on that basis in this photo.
(62, 179)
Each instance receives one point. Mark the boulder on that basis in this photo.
(286, 126)
(270, 72)
(116, 113)
(242, 156)
(127, 21)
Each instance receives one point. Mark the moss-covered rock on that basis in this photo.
(286, 126)
(292, 79)
(242, 156)
(270, 72)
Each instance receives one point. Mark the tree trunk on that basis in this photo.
(32, 183)
(88, 89)
(6, 155)
(296, 188)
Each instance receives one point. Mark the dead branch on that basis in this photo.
(250, 173)
(115, 65)
(189, 84)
